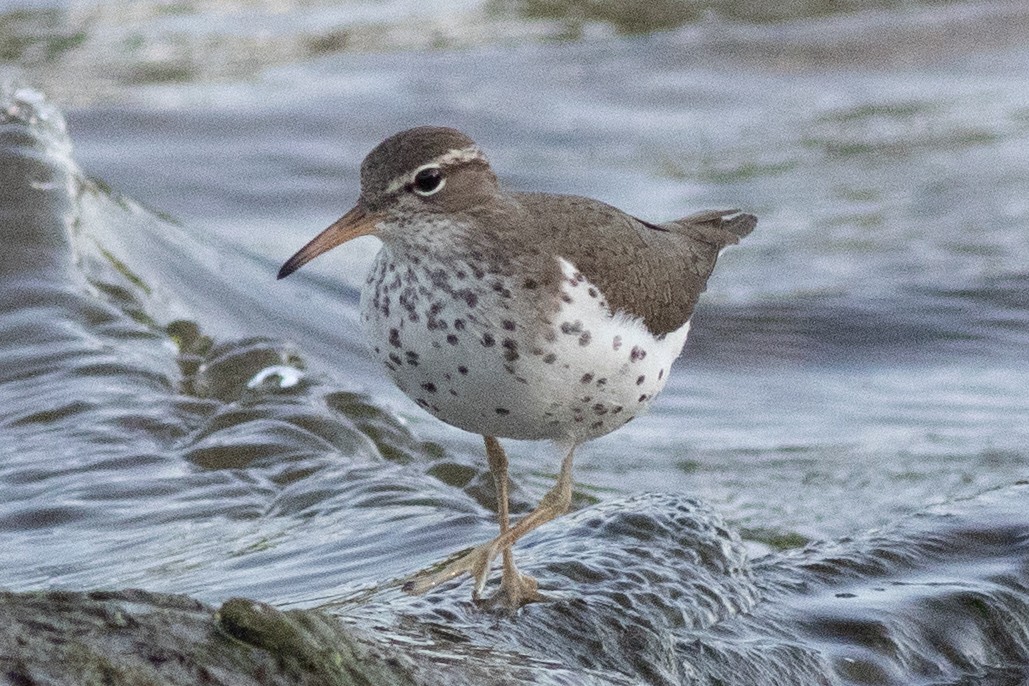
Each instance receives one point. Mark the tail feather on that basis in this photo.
(712, 227)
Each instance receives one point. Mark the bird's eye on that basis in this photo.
(428, 181)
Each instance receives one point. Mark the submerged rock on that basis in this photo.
(647, 590)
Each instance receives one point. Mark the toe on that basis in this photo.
(475, 562)
(515, 591)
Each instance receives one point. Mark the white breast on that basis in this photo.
(609, 367)
(589, 374)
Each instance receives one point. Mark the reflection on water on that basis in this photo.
(174, 419)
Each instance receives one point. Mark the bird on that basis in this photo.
(517, 315)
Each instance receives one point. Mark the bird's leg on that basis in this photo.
(519, 589)
(516, 588)
(554, 504)
(477, 561)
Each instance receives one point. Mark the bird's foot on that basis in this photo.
(516, 589)
(475, 562)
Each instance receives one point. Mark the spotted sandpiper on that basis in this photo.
(518, 315)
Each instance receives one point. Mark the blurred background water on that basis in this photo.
(173, 418)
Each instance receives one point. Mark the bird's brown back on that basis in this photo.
(652, 271)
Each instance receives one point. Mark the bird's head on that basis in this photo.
(409, 182)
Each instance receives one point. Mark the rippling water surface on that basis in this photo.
(827, 491)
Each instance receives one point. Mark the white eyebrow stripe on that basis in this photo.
(455, 156)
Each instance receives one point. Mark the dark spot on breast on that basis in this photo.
(567, 298)
(510, 349)
(499, 287)
(471, 299)
(643, 397)
(451, 339)
(616, 342)
(430, 387)
(637, 353)
(596, 425)
(460, 273)
(406, 297)
(395, 359)
(436, 308)
(602, 381)
(592, 291)
(584, 339)
(502, 411)
(586, 378)
(478, 271)
(661, 375)
(413, 316)
(570, 327)
(488, 340)
(586, 398)
(394, 338)
(549, 358)
(440, 279)
(640, 379)
(423, 403)
(508, 325)
(530, 284)
(459, 324)
(599, 409)
(462, 369)
(616, 409)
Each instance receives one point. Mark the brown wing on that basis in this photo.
(655, 272)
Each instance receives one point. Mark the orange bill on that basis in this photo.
(356, 222)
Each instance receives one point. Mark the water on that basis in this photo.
(174, 419)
